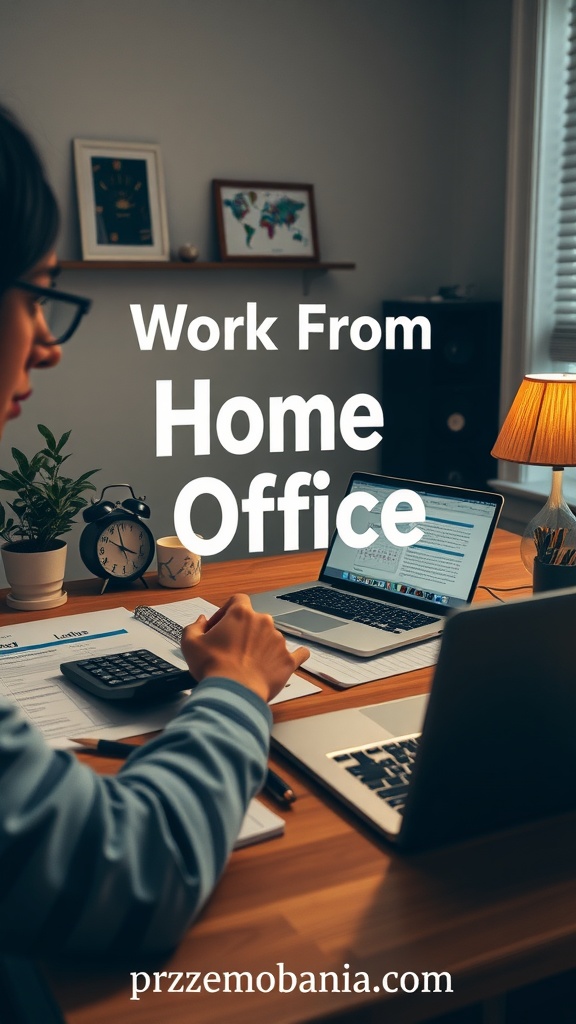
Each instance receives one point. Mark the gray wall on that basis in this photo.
(396, 111)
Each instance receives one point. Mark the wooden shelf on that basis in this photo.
(309, 265)
(308, 268)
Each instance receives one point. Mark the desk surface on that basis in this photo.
(496, 913)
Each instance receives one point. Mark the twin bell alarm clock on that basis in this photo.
(116, 544)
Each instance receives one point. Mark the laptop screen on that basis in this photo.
(442, 568)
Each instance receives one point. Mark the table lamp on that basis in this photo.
(540, 430)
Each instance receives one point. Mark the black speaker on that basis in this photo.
(441, 404)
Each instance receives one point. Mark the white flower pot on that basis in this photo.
(35, 577)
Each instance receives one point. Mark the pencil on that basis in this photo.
(280, 790)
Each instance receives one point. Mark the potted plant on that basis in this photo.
(44, 508)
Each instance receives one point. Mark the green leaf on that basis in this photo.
(48, 436)
(39, 463)
(23, 464)
(63, 440)
(16, 481)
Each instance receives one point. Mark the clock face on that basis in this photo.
(124, 549)
(122, 201)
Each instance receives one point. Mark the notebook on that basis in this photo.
(374, 598)
(494, 746)
(259, 823)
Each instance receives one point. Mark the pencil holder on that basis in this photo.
(552, 577)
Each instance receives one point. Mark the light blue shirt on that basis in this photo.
(122, 864)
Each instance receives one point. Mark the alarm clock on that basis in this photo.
(116, 544)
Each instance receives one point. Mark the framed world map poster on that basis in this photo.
(265, 221)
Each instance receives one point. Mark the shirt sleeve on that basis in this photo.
(122, 864)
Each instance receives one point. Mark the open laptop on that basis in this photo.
(495, 744)
(375, 598)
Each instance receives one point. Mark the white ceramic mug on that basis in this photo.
(177, 566)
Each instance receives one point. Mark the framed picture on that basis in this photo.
(121, 200)
(265, 221)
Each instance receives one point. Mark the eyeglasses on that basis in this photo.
(62, 311)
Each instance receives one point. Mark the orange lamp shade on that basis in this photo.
(540, 429)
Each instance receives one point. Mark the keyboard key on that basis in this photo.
(395, 791)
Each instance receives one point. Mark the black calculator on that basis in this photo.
(128, 675)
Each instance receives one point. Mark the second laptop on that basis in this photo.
(375, 598)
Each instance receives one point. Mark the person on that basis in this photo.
(117, 865)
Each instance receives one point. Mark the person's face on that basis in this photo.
(23, 336)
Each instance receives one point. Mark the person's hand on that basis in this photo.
(243, 645)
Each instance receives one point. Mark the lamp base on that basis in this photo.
(551, 535)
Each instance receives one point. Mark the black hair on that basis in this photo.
(29, 216)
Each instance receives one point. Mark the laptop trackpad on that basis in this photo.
(399, 717)
(312, 622)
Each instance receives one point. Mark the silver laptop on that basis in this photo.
(371, 599)
(495, 744)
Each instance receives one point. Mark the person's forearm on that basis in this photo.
(117, 865)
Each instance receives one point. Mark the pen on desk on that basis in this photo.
(108, 748)
(274, 785)
(280, 790)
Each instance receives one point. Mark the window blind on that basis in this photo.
(563, 338)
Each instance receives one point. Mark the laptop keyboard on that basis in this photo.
(385, 768)
(389, 617)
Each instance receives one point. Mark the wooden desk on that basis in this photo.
(496, 914)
